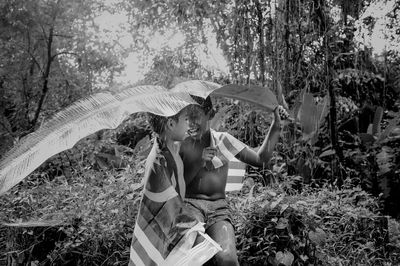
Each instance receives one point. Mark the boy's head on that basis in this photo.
(199, 116)
(174, 127)
(205, 104)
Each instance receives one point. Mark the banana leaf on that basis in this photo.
(85, 117)
(256, 95)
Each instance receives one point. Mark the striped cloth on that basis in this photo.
(164, 232)
(236, 172)
(227, 147)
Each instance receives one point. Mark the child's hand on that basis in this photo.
(208, 153)
(281, 113)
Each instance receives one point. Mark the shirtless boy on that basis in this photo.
(206, 154)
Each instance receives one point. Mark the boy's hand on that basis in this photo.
(281, 113)
(208, 153)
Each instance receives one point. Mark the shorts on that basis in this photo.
(209, 211)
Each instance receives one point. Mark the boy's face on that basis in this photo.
(198, 122)
(180, 128)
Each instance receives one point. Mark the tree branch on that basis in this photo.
(35, 61)
(63, 52)
(261, 40)
(64, 36)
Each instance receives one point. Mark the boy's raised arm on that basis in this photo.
(264, 154)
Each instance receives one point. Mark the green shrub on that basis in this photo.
(315, 227)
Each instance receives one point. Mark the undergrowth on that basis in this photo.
(315, 227)
(274, 224)
(95, 213)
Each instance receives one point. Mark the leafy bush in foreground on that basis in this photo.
(97, 211)
(315, 227)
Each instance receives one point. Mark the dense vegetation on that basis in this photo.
(331, 193)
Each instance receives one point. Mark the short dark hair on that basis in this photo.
(205, 104)
(158, 122)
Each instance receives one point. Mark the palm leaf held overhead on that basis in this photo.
(87, 116)
(107, 111)
(256, 95)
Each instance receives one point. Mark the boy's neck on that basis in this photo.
(204, 138)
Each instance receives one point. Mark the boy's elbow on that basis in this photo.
(262, 161)
(253, 158)
(265, 159)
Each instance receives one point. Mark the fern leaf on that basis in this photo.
(85, 117)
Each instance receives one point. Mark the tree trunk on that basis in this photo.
(46, 76)
(260, 30)
(329, 72)
(235, 75)
(249, 47)
(286, 80)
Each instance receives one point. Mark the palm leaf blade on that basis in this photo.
(198, 88)
(256, 95)
(85, 117)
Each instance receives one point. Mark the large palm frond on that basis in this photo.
(87, 116)
(107, 111)
(257, 95)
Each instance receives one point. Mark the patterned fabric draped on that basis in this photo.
(227, 147)
(164, 232)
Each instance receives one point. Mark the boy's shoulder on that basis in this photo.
(226, 143)
(220, 134)
(224, 136)
(158, 157)
(159, 170)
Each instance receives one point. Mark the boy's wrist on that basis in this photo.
(276, 126)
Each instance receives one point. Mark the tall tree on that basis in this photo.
(51, 57)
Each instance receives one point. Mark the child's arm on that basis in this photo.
(264, 154)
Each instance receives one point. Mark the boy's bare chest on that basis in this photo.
(192, 152)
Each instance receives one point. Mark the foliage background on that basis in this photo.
(322, 183)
